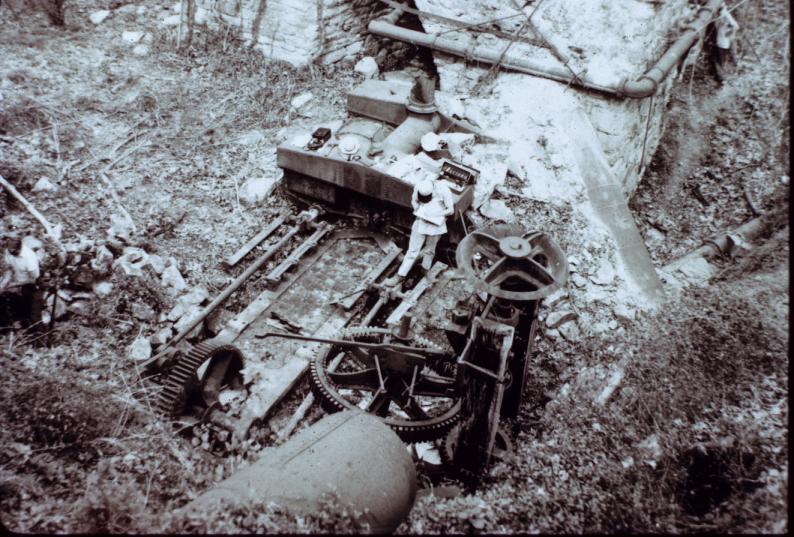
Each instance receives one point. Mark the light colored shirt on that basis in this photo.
(431, 216)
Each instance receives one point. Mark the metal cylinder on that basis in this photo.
(350, 453)
(406, 138)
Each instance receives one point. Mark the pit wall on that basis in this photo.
(298, 32)
(609, 41)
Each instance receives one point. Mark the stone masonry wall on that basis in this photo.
(296, 31)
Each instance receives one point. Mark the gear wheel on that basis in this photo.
(181, 380)
(503, 449)
(417, 428)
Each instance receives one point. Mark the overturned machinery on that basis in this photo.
(442, 360)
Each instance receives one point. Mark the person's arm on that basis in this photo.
(415, 198)
(447, 200)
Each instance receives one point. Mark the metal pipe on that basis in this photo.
(724, 242)
(644, 86)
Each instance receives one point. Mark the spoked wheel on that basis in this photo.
(507, 262)
(416, 403)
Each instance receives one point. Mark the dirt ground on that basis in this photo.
(695, 439)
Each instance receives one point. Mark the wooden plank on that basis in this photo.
(415, 294)
(252, 243)
(374, 274)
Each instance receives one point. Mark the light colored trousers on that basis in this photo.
(419, 242)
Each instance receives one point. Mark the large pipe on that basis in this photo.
(351, 454)
(644, 86)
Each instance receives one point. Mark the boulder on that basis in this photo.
(497, 210)
(172, 280)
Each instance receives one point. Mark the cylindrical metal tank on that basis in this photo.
(350, 453)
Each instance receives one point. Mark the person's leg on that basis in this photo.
(415, 244)
(429, 251)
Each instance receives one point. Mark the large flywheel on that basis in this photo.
(418, 404)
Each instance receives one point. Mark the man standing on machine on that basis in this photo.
(432, 202)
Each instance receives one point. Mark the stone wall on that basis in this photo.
(296, 31)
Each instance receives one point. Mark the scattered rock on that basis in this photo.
(696, 269)
(497, 210)
(367, 66)
(612, 324)
(570, 331)
(614, 381)
(140, 349)
(558, 318)
(132, 261)
(171, 20)
(131, 36)
(102, 288)
(141, 10)
(605, 274)
(217, 320)
(157, 264)
(556, 297)
(255, 190)
(573, 260)
(161, 337)
(97, 17)
(651, 450)
(172, 280)
(578, 280)
(552, 333)
(194, 297)
(102, 263)
(79, 307)
(44, 185)
(143, 312)
(623, 313)
(175, 313)
(140, 50)
(120, 226)
(300, 100)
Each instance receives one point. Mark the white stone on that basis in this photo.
(300, 100)
(605, 274)
(102, 288)
(194, 297)
(161, 337)
(157, 264)
(570, 331)
(44, 185)
(497, 210)
(131, 36)
(612, 324)
(697, 269)
(143, 312)
(120, 226)
(367, 66)
(256, 189)
(556, 297)
(141, 10)
(176, 312)
(140, 349)
(200, 16)
(172, 279)
(103, 261)
(140, 50)
(132, 261)
(623, 313)
(171, 20)
(97, 17)
(558, 318)
(578, 280)
(186, 320)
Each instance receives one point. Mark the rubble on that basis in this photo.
(497, 210)
(367, 66)
(297, 102)
(44, 185)
(257, 189)
(172, 280)
(98, 17)
(557, 318)
(578, 280)
(605, 274)
(140, 350)
(131, 36)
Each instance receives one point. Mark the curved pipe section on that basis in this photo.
(645, 86)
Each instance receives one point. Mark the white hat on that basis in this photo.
(430, 141)
(348, 145)
(425, 188)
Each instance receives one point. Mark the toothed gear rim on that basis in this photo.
(181, 378)
(408, 430)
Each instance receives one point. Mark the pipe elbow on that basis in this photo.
(645, 86)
